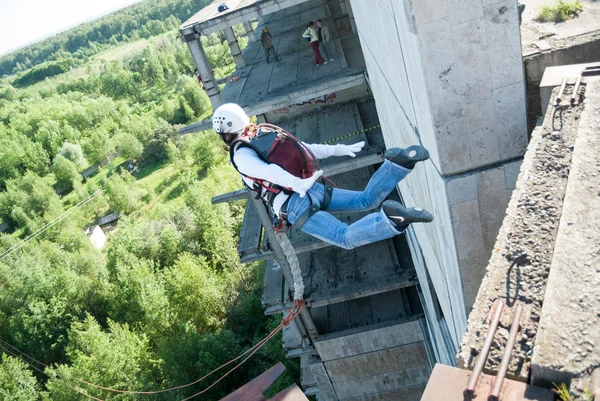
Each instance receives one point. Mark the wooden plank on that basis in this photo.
(251, 231)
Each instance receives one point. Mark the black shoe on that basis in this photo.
(407, 157)
(402, 216)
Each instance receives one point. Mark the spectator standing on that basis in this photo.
(324, 39)
(267, 44)
(311, 35)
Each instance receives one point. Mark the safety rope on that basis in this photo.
(297, 307)
(351, 134)
(292, 258)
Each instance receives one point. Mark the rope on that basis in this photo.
(41, 371)
(295, 311)
(352, 134)
(292, 259)
(47, 226)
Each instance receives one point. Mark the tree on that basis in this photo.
(98, 146)
(121, 197)
(74, 153)
(65, 171)
(157, 148)
(16, 381)
(128, 145)
(196, 293)
(118, 358)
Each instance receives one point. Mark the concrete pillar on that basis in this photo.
(250, 31)
(351, 16)
(234, 47)
(457, 87)
(206, 73)
(343, 7)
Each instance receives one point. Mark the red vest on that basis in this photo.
(273, 144)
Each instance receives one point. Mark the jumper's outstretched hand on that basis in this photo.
(303, 184)
(349, 150)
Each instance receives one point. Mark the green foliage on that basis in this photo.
(196, 291)
(29, 201)
(73, 152)
(65, 171)
(16, 381)
(128, 145)
(43, 71)
(118, 358)
(7, 92)
(98, 146)
(121, 197)
(202, 149)
(560, 12)
(167, 300)
(157, 146)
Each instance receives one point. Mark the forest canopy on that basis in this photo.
(89, 127)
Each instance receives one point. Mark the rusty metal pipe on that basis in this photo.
(514, 329)
(575, 90)
(560, 91)
(485, 349)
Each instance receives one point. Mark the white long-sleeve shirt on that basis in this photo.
(251, 165)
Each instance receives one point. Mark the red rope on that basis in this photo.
(41, 371)
(296, 309)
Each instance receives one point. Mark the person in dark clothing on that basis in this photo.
(324, 38)
(267, 44)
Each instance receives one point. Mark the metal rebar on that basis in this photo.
(560, 91)
(514, 329)
(575, 90)
(485, 349)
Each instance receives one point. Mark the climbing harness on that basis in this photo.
(275, 145)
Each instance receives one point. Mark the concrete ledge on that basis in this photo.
(518, 268)
(568, 341)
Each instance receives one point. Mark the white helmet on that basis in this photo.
(230, 119)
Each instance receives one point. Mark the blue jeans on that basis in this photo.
(371, 228)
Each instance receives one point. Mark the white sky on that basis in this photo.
(26, 21)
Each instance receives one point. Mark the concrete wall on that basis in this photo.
(374, 364)
(454, 84)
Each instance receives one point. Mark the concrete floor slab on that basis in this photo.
(263, 86)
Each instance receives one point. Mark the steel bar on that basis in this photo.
(575, 90)
(560, 91)
(485, 349)
(510, 343)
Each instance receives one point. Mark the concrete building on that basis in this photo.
(443, 73)
(546, 255)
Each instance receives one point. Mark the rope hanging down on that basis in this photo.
(296, 309)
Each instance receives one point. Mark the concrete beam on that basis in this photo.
(567, 344)
(254, 11)
(249, 31)
(210, 85)
(234, 48)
